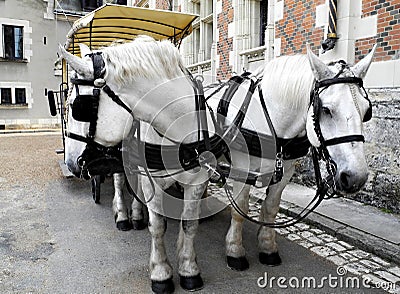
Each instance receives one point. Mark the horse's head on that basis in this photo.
(110, 119)
(340, 105)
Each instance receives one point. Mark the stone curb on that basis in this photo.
(356, 237)
(31, 131)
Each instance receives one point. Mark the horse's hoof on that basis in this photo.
(124, 225)
(272, 259)
(191, 283)
(237, 263)
(163, 287)
(138, 224)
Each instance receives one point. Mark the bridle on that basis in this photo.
(321, 152)
(85, 109)
(325, 186)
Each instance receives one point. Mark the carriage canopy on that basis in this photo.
(116, 22)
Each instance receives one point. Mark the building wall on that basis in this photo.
(225, 40)
(41, 38)
(388, 30)
(299, 27)
(360, 25)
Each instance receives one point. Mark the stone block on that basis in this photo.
(388, 276)
(370, 264)
(395, 270)
(336, 246)
(323, 251)
(336, 259)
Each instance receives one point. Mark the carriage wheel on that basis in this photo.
(96, 181)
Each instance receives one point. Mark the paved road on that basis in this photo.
(54, 239)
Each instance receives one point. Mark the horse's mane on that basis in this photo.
(290, 80)
(143, 58)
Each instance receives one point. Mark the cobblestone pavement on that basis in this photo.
(372, 269)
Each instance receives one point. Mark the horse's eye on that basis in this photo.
(326, 111)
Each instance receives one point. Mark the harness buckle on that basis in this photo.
(279, 170)
(99, 83)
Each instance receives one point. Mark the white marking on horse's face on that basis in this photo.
(343, 107)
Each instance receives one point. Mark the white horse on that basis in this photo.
(124, 219)
(147, 76)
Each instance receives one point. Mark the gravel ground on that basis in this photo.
(28, 164)
(29, 159)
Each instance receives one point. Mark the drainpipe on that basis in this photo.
(330, 41)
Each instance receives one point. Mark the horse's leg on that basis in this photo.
(160, 267)
(189, 271)
(137, 215)
(119, 206)
(266, 236)
(235, 251)
(138, 208)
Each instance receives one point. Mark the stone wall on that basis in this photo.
(382, 135)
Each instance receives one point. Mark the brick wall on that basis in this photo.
(162, 4)
(388, 37)
(297, 28)
(225, 44)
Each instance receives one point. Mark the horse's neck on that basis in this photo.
(287, 94)
(169, 107)
(289, 121)
(288, 117)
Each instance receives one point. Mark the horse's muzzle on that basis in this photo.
(350, 182)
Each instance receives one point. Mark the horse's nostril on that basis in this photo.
(345, 180)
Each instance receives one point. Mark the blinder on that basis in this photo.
(85, 108)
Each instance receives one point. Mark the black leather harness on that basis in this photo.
(189, 154)
(292, 148)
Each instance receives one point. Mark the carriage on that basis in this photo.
(100, 28)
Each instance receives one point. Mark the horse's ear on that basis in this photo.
(85, 50)
(320, 70)
(78, 64)
(361, 68)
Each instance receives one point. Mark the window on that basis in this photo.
(196, 43)
(5, 95)
(199, 43)
(90, 5)
(13, 42)
(15, 95)
(263, 20)
(20, 96)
